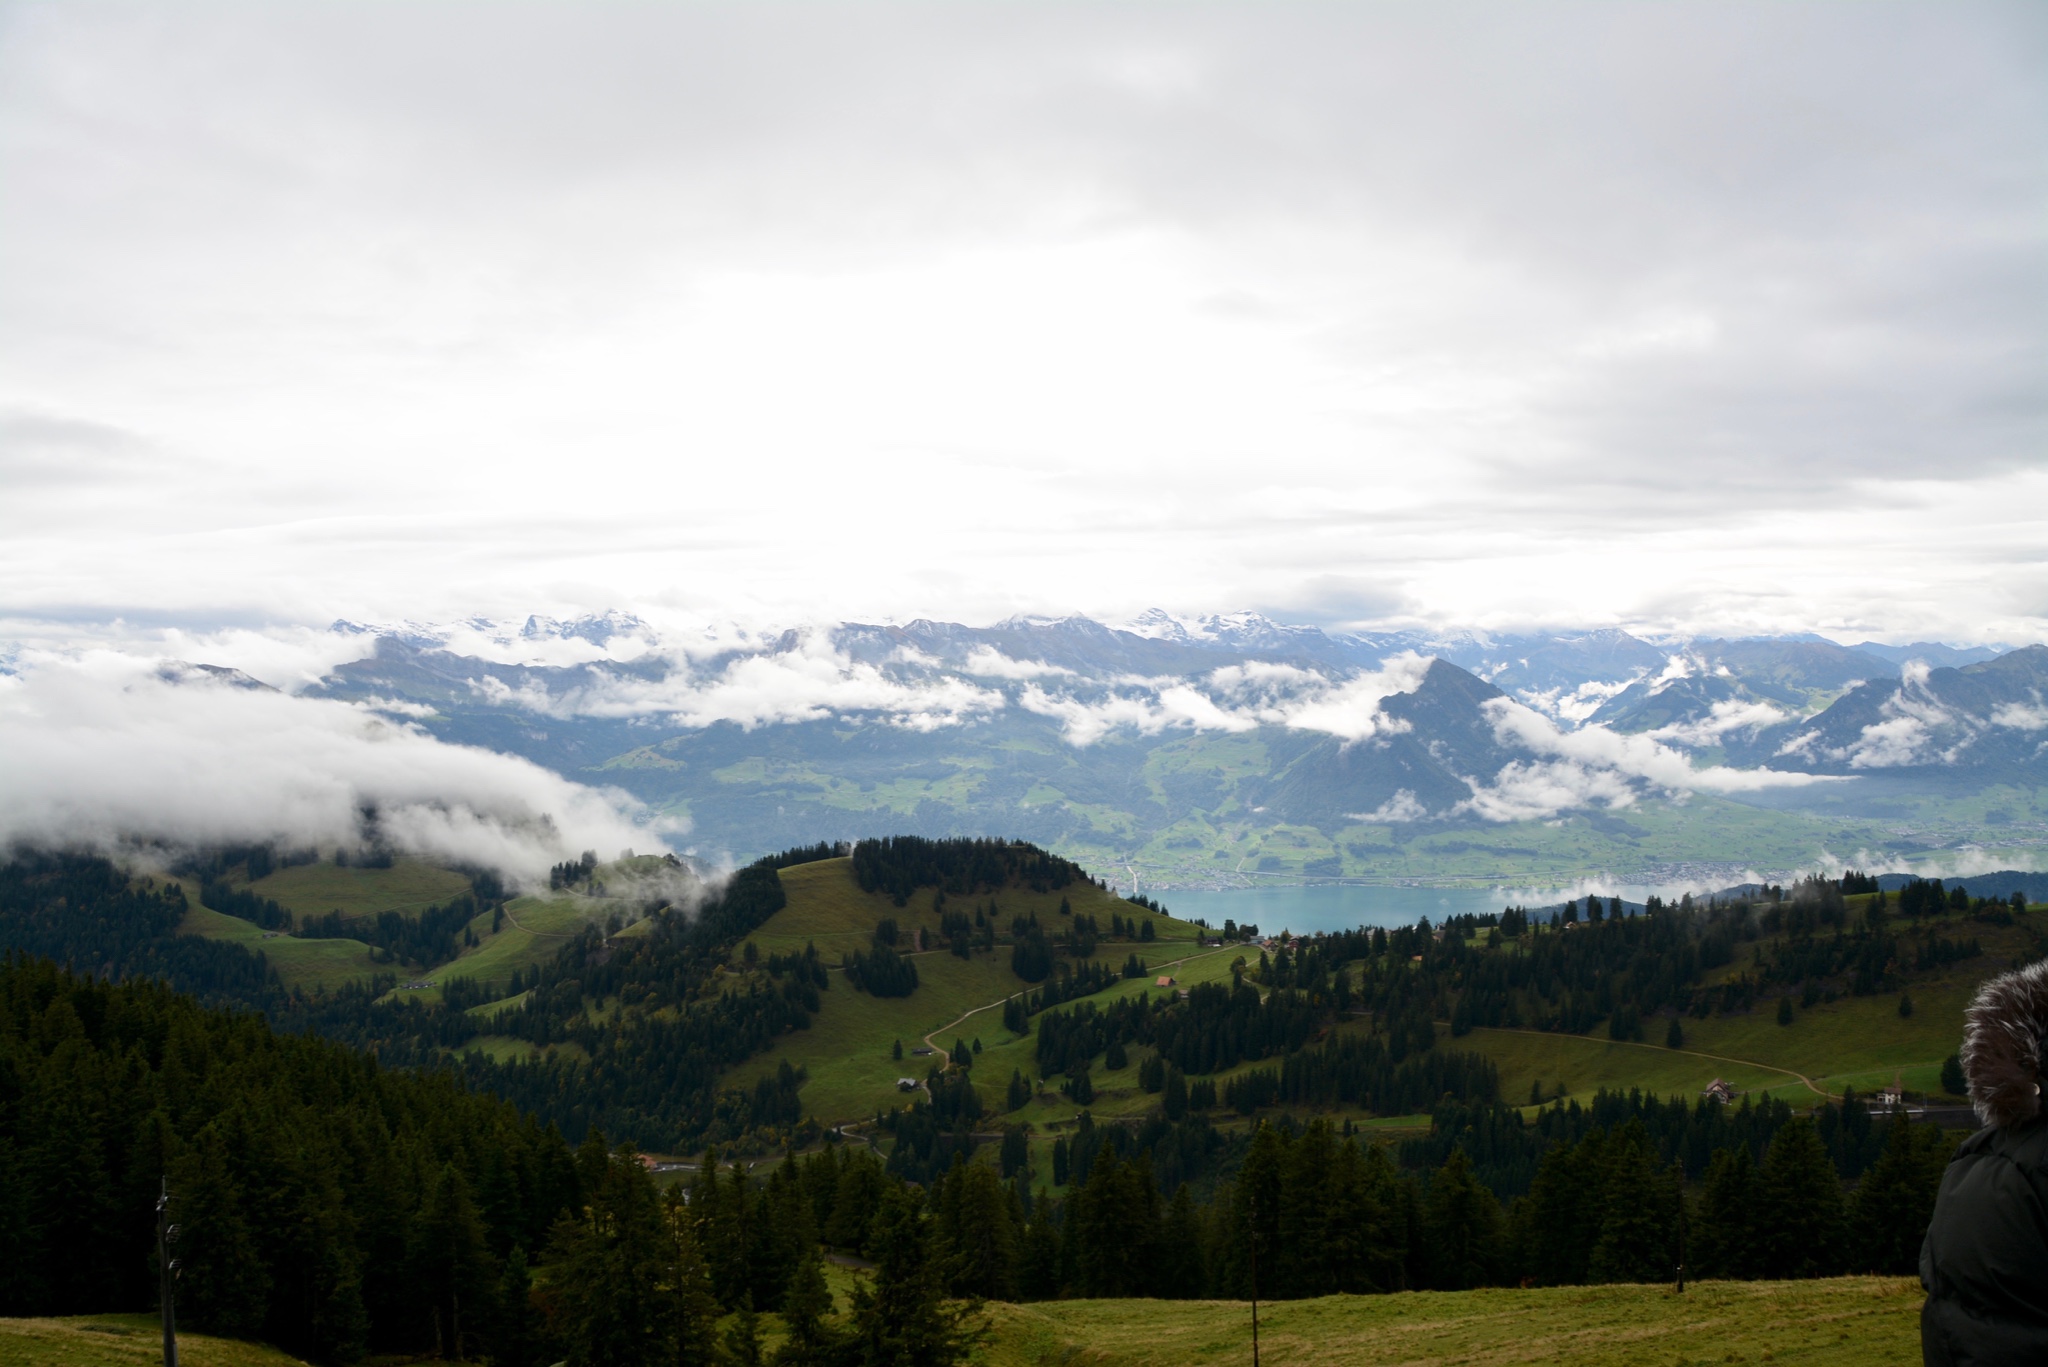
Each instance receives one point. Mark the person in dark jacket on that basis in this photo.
(1985, 1261)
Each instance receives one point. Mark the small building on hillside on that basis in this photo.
(1893, 1098)
(906, 1084)
(1718, 1090)
(1165, 980)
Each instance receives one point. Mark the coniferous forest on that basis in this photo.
(349, 1180)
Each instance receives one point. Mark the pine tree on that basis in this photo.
(978, 1233)
(900, 1315)
(606, 1268)
(1674, 1038)
(743, 1337)
(1895, 1200)
(1639, 1213)
(511, 1334)
(1952, 1080)
(1182, 1271)
(1038, 1257)
(224, 1287)
(1173, 1103)
(1016, 1152)
(1724, 1237)
(450, 1264)
(806, 1303)
(1560, 1218)
(692, 1320)
(1801, 1190)
(1463, 1227)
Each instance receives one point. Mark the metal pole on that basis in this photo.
(166, 1235)
(1255, 1281)
(1678, 1179)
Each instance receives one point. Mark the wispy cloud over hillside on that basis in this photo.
(122, 753)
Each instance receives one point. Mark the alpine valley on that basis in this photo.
(1206, 752)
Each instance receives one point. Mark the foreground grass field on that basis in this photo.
(1832, 1323)
(121, 1341)
(1850, 1322)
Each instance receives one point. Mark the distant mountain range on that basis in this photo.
(1227, 747)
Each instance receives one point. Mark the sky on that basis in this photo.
(1695, 318)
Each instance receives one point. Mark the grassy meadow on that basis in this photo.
(121, 1341)
(1840, 1322)
(299, 963)
(533, 931)
(316, 889)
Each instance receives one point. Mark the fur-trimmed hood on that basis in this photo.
(2002, 1045)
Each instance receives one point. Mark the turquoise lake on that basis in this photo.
(1330, 907)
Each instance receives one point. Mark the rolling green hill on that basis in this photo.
(847, 1051)
(1862, 1042)
(531, 932)
(850, 1071)
(407, 885)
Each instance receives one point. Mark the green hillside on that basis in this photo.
(307, 964)
(407, 885)
(847, 1051)
(1862, 1042)
(1850, 1321)
(122, 1341)
(531, 932)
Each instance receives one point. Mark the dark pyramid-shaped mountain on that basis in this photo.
(1449, 739)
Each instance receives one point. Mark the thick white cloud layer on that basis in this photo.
(1488, 313)
(1588, 767)
(114, 752)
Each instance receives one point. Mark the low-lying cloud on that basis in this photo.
(810, 680)
(117, 753)
(1240, 697)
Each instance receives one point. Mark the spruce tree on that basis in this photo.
(901, 1315)
(1895, 1200)
(1638, 1216)
(1173, 1102)
(806, 1304)
(224, 1287)
(743, 1337)
(1462, 1227)
(1800, 1189)
(1724, 1234)
(450, 1264)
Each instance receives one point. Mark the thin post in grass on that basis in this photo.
(1678, 1183)
(1254, 1244)
(167, 1268)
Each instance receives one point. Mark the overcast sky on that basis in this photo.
(1717, 318)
